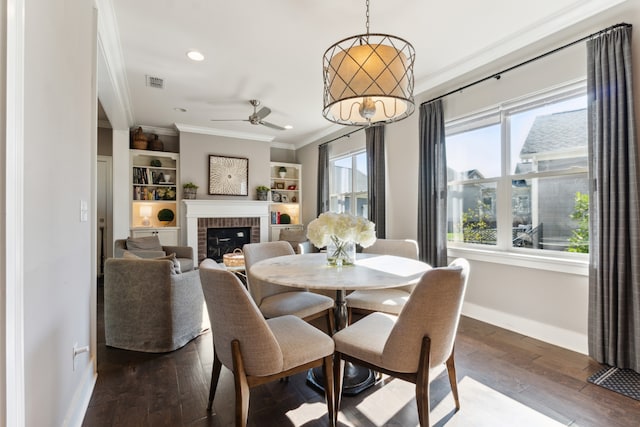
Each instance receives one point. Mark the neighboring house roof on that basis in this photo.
(473, 174)
(556, 133)
(453, 174)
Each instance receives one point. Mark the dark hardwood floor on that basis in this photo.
(505, 379)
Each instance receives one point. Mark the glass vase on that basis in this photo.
(341, 252)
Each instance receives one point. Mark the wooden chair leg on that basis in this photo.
(451, 369)
(349, 316)
(338, 375)
(327, 370)
(331, 322)
(215, 376)
(241, 385)
(422, 383)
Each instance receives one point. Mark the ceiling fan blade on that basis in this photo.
(271, 125)
(263, 112)
(228, 120)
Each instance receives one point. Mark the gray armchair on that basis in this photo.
(150, 247)
(147, 308)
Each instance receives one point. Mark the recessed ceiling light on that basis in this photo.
(194, 55)
(180, 109)
(288, 127)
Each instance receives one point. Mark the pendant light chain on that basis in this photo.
(367, 16)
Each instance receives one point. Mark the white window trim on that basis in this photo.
(350, 154)
(564, 262)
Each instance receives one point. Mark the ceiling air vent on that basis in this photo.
(155, 82)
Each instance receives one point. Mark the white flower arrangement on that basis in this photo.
(343, 227)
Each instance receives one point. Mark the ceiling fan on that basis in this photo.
(256, 118)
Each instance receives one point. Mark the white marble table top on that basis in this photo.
(370, 271)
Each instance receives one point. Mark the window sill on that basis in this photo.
(562, 265)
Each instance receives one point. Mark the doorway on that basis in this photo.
(104, 213)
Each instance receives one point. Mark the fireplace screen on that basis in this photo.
(222, 241)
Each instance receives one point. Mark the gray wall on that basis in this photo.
(283, 155)
(105, 142)
(196, 148)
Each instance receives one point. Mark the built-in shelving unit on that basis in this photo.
(286, 197)
(154, 195)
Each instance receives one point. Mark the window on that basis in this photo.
(518, 176)
(348, 184)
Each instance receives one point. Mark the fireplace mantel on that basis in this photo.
(195, 209)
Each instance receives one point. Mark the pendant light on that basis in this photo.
(368, 79)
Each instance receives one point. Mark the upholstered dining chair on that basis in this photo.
(385, 300)
(275, 300)
(256, 350)
(408, 346)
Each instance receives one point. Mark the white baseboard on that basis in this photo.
(548, 333)
(82, 397)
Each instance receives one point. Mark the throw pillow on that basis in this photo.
(176, 264)
(175, 269)
(130, 255)
(149, 243)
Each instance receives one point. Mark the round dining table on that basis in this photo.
(370, 271)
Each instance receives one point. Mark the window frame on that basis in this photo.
(354, 194)
(503, 252)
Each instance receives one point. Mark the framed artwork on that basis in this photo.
(280, 185)
(228, 176)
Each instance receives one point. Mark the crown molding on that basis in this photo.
(571, 15)
(113, 86)
(222, 132)
(157, 130)
(283, 145)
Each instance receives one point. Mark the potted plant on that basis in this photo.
(282, 171)
(262, 191)
(189, 190)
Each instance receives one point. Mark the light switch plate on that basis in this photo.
(84, 211)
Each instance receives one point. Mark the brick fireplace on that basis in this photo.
(204, 224)
(202, 214)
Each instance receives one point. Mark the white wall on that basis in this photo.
(3, 218)
(551, 306)
(59, 173)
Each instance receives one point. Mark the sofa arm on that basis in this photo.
(119, 246)
(180, 251)
(184, 254)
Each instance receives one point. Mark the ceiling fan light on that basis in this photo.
(366, 69)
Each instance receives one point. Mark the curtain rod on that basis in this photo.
(342, 136)
(499, 73)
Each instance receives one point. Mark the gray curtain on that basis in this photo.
(376, 178)
(614, 276)
(432, 186)
(322, 201)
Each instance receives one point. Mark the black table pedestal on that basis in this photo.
(356, 378)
